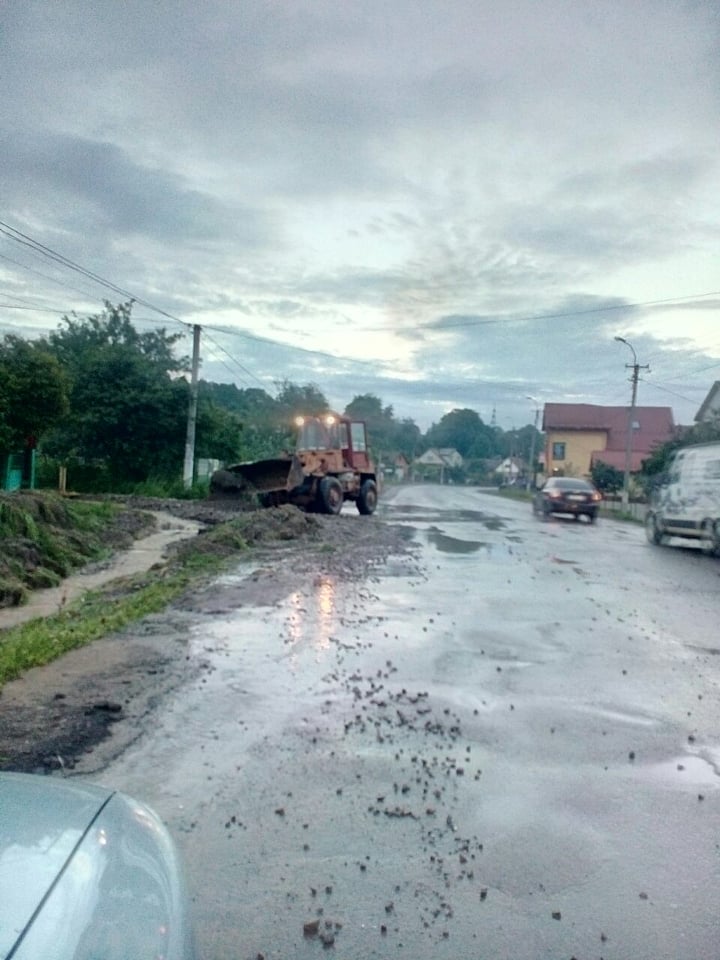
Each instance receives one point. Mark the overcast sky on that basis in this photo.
(446, 203)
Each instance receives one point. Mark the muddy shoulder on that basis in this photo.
(79, 712)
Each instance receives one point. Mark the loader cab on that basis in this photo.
(330, 432)
(357, 449)
(316, 433)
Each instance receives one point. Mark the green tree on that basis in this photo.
(462, 430)
(128, 406)
(380, 423)
(77, 338)
(521, 442)
(249, 404)
(218, 433)
(295, 400)
(33, 392)
(123, 413)
(407, 438)
(656, 465)
(368, 407)
(257, 429)
(606, 477)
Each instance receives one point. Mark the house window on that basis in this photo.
(558, 451)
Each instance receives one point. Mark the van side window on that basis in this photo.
(712, 470)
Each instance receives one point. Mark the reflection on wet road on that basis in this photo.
(504, 746)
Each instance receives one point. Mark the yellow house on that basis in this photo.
(577, 435)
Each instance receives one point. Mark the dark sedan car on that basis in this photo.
(86, 873)
(567, 495)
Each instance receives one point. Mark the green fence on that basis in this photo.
(17, 471)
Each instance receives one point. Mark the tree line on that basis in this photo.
(112, 403)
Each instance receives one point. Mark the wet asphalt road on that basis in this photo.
(507, 746)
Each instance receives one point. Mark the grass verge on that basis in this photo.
(126, 600)
(100, 612)
(44, 537)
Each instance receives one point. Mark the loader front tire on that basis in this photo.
(367, 498)
(330, 495)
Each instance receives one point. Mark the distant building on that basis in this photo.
(510, 469)
(709, 412)
(577, 435)
(436, 462)
(400, 467)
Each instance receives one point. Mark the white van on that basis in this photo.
(687, 504)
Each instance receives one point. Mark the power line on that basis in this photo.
(45, 276)
(477, 322)
(288, 346)
(233, 360)
(691, 373)
(15, 306)
(27, 241)
(673, 393)
(24, 239)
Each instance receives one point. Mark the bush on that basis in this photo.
(606, 478)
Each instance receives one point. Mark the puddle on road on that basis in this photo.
(490, 521)
(448, 544)
(313, 616)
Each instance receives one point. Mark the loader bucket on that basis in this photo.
(264, 475)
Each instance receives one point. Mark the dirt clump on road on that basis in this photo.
(81, 710)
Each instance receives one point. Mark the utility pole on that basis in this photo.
(635, 367)
(530, 483)
(192, 411)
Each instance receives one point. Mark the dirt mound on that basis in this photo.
(54, 716)
(45, 537)
(279, 523)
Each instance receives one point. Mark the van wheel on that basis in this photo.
(653, 530)
(710, 538)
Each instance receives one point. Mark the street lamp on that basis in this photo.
(635, 367)
(531, 474)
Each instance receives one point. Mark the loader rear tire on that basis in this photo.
(330, 495)
(367, 498)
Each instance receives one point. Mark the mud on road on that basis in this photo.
(85, 708)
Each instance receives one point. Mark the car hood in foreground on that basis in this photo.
(86, 872)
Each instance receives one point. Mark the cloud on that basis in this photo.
(102, 185)
(402, 184)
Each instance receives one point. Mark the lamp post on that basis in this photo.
(635, 367)
(531, 474)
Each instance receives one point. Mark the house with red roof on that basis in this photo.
(578, 435)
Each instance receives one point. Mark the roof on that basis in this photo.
(616, 458)
(710, 405)
(431, 458)
(655, 424)
(440, 457)
(510, 463)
